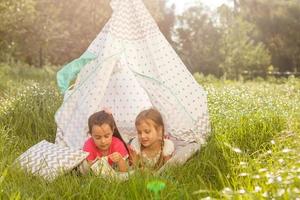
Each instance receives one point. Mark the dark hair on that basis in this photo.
(102, 117)
(155, 116)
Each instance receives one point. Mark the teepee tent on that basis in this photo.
(130, 67)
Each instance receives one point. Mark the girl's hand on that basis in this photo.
(116, 157)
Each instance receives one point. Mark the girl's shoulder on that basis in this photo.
(89, 143)
(168, 148)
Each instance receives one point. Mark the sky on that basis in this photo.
(212, 4)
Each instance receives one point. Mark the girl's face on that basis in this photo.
(148, 133)
(102, 136)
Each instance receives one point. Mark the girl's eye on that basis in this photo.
(107, 136)
(147, 131)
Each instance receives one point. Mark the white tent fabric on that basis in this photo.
(132, 67)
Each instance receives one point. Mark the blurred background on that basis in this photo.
(224, 38)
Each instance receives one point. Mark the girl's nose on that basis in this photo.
(102, 141)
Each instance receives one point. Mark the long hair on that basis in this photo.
(155, 116)
(102, 117)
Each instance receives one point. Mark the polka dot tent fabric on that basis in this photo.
(130, 67)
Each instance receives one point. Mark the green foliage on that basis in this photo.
(240, 52)
(252, 152)
(50, 31)
(197, 41)
(278, 26)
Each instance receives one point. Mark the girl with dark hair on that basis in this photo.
(106, 140)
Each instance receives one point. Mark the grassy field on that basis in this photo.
(252, 153)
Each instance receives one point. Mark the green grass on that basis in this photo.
(252, 152)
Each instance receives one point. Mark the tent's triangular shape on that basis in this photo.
(130, 66)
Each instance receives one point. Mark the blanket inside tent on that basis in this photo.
(130, 67)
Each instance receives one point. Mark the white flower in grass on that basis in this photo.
(270, 181)
(256, 176)
(269, 175)
(288, 182)
(243, 164)
(280, 192)
(287, 150)
(243, 174)
(206, 198)
(227, 191)
(269, 152)
(263, 170)
(272, 142)
(242, 191)
(296, 190)
(290, 177)
(237, 150)
(265, 194)
(257, 189)
(279, 179)
(281, 161)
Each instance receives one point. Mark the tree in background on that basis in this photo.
(279, 26)
(15, 19)
(54, 31)
(198, 41)
(239, 51)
